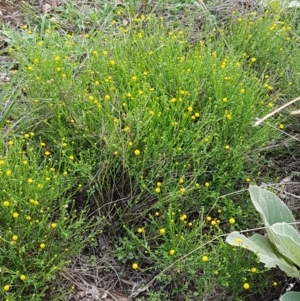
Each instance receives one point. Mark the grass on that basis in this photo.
(138, 128)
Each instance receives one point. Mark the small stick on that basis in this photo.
(295, 112)
(259, 121)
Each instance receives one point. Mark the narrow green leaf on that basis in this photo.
(8, 101)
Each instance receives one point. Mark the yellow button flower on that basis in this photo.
(137, 152)
(204, 258)
(231, 221)
(172, 252)
(135, 266)
(162, 231)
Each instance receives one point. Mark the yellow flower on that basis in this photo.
(30, 180)
(242, 91)
(207, 184)
(183, 217)
(6, 287)
(15, 215)
(53, 225)
(42, 246)
(137, 152)
(253, 270)
(246, 286)
(208, 218)
(162, 231)
(281, 126)
(158, 184)
(182, 190)
(181, 180)
(140, 230)
(65, 173)
(15, 237)
(23, 277)
(135, 266)
(239, 240)
(231, 221)
(213, 223)
(157, 190)
(8, 172)
(227, 146)
(2, 162)
(204, 258)
(172, 252)
(6, 203)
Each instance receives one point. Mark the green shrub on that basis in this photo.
(159, 131)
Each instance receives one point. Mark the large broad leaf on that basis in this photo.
(287, 241)
(265, 251)
(270, 207)
(293, 4)
(290, 296)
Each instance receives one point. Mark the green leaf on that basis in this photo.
(265, 251)
(287, 241)
(293, 4)
(290, 296)
(270, 207)
(8, 97)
